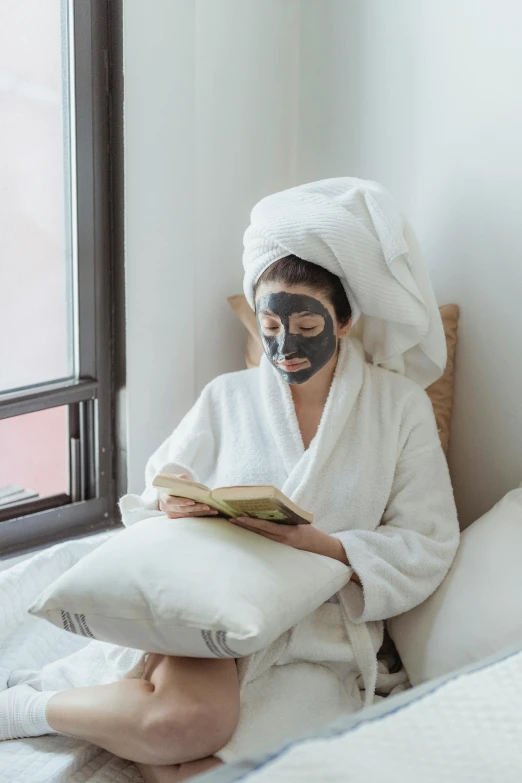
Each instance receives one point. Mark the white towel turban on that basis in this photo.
(355, 229)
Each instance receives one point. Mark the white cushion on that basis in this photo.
(477, 611)
(196, 587)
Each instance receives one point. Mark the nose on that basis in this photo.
(288, 343)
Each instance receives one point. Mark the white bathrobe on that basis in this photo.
(374, 476)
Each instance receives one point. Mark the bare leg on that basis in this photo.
(177, 772)
(184, 709)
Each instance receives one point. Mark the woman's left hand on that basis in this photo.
(306, 537)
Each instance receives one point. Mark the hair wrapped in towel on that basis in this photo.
(355, 229)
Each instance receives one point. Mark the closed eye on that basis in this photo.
(308, 329)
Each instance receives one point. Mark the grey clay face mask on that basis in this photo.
(287, 345)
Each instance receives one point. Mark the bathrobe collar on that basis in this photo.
(301, 464)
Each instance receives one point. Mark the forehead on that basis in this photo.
(276, 298)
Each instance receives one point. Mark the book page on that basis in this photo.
(270, 509)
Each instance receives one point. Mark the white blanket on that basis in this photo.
(374, 476)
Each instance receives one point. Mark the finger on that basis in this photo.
(202, 507)
(174, 500)
(174, 507)
(199, 510)
(181, 502)
(172, 514)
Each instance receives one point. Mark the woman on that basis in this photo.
(348, 439)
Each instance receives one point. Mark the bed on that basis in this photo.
(463, 727)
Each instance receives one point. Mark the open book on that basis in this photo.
(263, 502)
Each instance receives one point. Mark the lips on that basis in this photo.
(293, 364)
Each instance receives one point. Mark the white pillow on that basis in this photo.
(195, 587)
(477, 611)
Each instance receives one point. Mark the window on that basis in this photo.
(56, 332)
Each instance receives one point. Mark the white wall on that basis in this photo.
(246, 119)
(227, 101)
(425, 97)
(210, 122)
(159, 221)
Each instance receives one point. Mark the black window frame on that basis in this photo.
(95, 460)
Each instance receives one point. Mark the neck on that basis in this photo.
(315, 391)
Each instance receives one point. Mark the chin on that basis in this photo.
(297, 378)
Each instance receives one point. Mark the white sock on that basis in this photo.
(22, 712)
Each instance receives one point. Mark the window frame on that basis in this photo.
(92, 398)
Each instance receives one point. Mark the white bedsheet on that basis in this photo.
(28, 643)
(463, 729)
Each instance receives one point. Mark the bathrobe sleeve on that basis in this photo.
(405, 559)
(190, 449)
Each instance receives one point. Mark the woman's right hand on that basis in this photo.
(181, 508)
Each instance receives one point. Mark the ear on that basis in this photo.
(345, 328)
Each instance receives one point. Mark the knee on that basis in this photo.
(176, 733)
